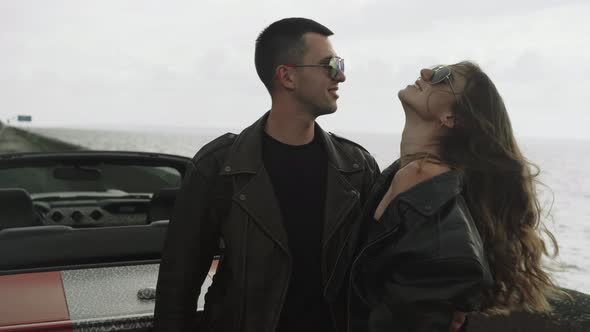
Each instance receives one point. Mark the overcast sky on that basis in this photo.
(191, 63)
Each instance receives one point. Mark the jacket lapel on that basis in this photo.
(258, 200)
(254, 191)
(341, 195)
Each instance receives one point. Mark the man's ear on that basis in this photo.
(447, 120)
(285, 77)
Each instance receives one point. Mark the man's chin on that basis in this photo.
(326, 110)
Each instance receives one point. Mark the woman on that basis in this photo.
(454, 224)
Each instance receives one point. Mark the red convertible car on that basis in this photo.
(80, 238)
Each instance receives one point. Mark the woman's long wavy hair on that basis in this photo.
(500, 192)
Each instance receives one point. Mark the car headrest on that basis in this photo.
(162, 204)
(16, 209)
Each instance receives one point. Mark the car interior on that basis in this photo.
(32, 238)
(65, 215)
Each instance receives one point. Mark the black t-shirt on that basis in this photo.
(298, 175)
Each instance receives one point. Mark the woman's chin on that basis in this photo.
(403, 94)
(400, 94)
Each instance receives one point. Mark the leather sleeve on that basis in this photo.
(456, 281)
(191, 242)
(436, 266)
(422, 296)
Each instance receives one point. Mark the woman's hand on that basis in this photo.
(458, 321)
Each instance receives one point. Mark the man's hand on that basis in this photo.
(458, 321)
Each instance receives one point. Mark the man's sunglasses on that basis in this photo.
(335, 66)
(442, 73)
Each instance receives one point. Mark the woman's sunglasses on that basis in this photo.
(335, 66)
(442, 73)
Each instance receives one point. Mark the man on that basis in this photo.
(285, 198)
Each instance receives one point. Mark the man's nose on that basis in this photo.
(340, 77)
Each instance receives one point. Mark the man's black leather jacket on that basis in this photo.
(423, 260)
(227, 194)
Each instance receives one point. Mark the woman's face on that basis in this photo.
(431, 100)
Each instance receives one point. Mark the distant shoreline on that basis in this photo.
(222, 130)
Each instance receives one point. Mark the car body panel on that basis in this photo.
(32, 298)
(97, 299)
(108, 292)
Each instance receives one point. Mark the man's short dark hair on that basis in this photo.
(281, 43)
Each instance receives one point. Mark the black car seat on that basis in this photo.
(16, 209)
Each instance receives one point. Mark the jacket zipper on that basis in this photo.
(338, 258)
(245, 281)
(330, 279)
(333, 318)
(282, 303)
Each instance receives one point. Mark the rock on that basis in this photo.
(568, 315)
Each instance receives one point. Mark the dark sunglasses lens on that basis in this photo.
(439, 74)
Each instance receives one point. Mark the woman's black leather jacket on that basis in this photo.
(422, 261)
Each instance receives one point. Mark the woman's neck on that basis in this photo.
(415, 145)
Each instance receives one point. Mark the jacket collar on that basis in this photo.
(256, 195)
(431, 195)
(246, 153)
